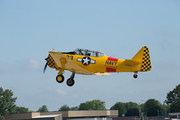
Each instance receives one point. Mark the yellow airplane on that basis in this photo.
(87, 62)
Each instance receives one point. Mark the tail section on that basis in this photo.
(144, 58)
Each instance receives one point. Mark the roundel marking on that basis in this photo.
(86, 60)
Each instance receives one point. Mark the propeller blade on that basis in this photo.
(45, 67)
(45, 64)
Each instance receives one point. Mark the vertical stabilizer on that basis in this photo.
(143, 57)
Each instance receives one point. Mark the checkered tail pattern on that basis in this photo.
(146, 62)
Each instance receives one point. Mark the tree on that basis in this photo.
(20, 110)
(64, 108)
(2, 117)
(7, 102)
(153, 107)
(75, 108)
(93, 105)
(166, 109)
(173, 99)
(84, 106)
(120, 107)
(132, 109)
(129, 105)
(128, 109)
(43, 109)
(132, 112)
(30, 111)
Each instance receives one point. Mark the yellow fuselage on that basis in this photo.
(100, 64)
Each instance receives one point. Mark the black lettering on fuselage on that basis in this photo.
(113, 63)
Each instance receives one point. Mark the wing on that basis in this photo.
(65, 63)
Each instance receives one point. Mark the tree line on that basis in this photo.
(151, 107)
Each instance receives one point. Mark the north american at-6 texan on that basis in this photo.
(87, 62)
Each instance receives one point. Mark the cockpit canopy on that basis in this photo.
(88, 52)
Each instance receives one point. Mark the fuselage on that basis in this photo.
(99, 64)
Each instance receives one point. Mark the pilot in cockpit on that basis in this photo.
(87, 53)
(97, 54)
(80, 52)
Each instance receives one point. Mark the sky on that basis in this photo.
(29, 29)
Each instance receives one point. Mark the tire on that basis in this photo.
(70, 82)
(60, 78)
(135, 75)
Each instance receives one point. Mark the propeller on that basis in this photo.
(45, 65)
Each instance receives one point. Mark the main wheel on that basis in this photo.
(70, 82)
(60, 78)
(135, 75)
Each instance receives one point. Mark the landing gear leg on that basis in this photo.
(135, 74)
(70, 81)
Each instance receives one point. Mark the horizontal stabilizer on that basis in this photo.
(102, 73)
(131, 62)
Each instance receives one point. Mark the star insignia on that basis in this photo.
(86, 60)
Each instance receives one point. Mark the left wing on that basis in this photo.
(66, 64)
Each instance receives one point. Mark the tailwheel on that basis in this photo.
(70, 82)
(60, 78)
(135, 75)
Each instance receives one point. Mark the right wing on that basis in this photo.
(65, 63)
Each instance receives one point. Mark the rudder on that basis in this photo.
(146, 62)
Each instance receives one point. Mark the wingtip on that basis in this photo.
(54, 52)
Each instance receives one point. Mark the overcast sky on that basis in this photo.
(29, 29)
